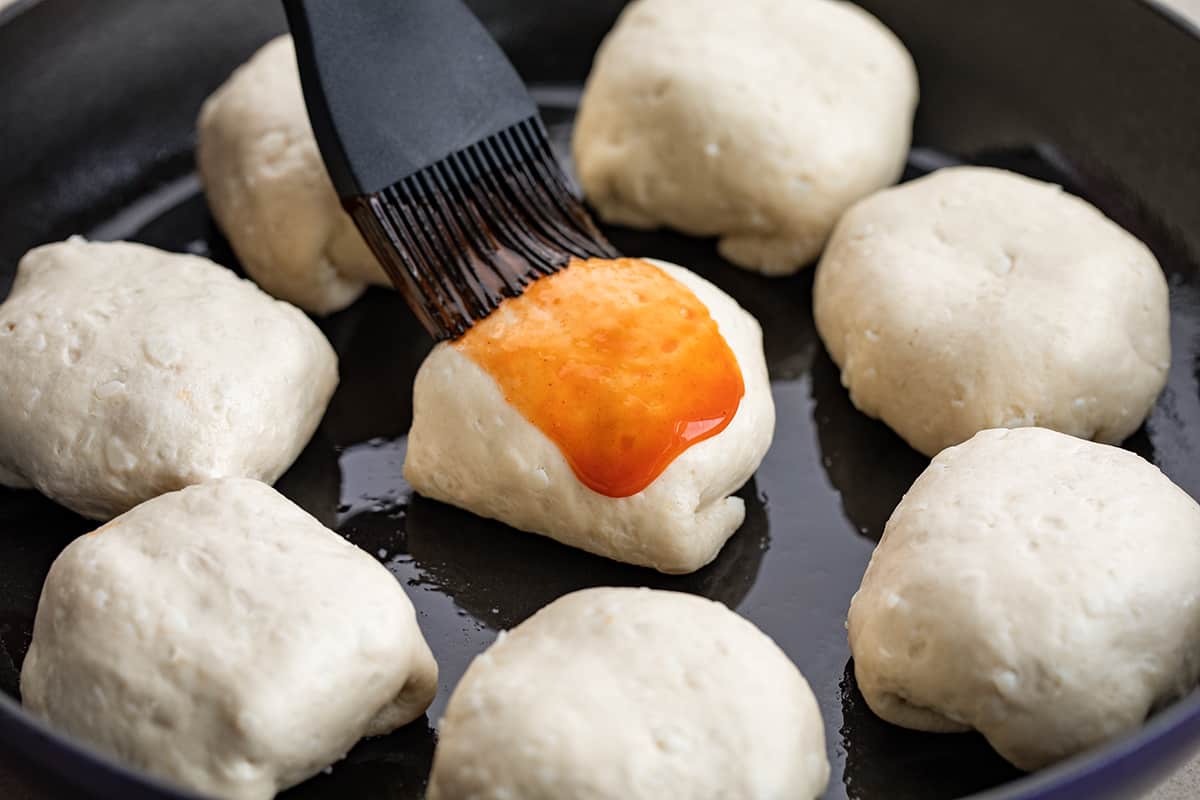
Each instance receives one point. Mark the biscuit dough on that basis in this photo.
(222, 638)
(268, 189)
(127, 371)
(758, 121)
(976, 298)
(631, 694)
(1036, 587)
(470, 448)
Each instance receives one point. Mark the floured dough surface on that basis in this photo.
(469, 447)
(1036, 587)
(127, 371)
(625, 694)
(758, 121)
(222, 638)
(269, 191)
(976, 298)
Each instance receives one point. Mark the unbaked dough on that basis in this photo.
(975, 298)
(222, 638)
(1036, 587)
(631, 694)
(268, 189)
(469, 447)
(758, 121)
(127, 371)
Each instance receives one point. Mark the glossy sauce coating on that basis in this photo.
(619, 364)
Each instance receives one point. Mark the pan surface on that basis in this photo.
(95, 122)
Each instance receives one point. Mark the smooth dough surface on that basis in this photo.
(269, 191)
(1036, 587)
(758, 121)
(976, 298)
(222, 638)
(127, 371)
(631, 694)
(469, 447)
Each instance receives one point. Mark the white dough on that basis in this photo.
(631, 694)
(975, 298)
(222, 638)
(127, 371)
(469, 447)
(759, 121)
(1036, 587)
(269, 191)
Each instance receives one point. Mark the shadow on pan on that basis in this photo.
(868, 740)
(461, 554)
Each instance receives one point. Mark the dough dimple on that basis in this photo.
(128, 372)
(222, 638)
(759, 121)
(631, 693)
(268, 189)
(1036, 587)
(468, 446)
(976, 298)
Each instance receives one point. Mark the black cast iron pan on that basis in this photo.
(97, 104)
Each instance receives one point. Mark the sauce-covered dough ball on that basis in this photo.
(615, 406)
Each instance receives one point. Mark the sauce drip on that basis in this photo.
(618, 363)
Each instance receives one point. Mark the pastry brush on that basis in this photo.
(438, 153)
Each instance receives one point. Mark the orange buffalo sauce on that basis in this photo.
(619, 364)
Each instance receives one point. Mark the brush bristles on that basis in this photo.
(478, 226)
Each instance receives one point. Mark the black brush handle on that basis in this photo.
(393, 86)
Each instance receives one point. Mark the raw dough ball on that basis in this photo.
(1036, 587)
(631, 693)
(222, 638)
(269, 191)
(469, 447)
(976, 298)
(127, 371)
(758, 121)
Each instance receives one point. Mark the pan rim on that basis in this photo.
(1182, 21)
(15, 8)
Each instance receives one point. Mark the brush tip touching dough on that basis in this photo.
(469, 447)
(1036, 587)
(127, 371)
(976, 298)
(268, 189)
(631, 694)
(222, 638)
(758, 121)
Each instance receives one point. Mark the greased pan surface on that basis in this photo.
(97, 102)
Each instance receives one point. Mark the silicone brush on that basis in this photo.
(438, 153)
